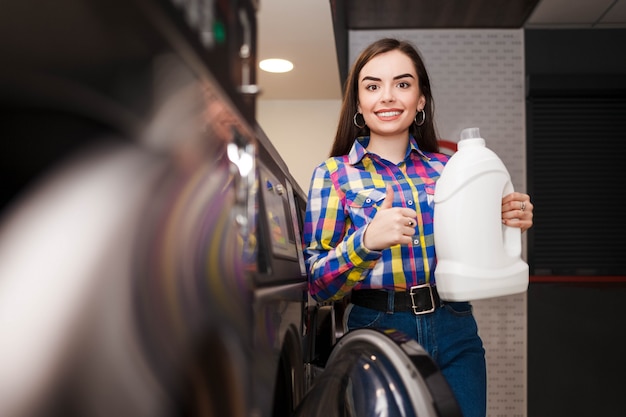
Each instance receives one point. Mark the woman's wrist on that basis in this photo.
(363, 238)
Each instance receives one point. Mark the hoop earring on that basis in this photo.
(423, 118)
(356, 123)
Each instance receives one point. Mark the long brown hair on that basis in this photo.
(347, 131)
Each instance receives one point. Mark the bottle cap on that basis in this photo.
(470, 133)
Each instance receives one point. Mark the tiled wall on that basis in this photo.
(477, 77)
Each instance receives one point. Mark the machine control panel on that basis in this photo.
(280, 244)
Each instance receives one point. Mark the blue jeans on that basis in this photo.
(450, 336)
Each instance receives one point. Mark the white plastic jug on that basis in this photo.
(477, 256)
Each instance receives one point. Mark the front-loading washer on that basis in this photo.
(379, 372)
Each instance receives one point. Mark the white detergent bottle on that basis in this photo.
(477, 256)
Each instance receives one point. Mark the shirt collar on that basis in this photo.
(359, 149)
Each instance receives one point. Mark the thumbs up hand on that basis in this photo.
(390, 226)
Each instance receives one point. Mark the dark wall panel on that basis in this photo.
(575, 165)
(577, 340)
(576, 127)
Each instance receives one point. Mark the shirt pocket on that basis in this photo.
(363, 204)
(430, 194)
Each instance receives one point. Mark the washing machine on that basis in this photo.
(379, 372)
(127, 205)
(279, 295)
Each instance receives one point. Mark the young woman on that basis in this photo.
(369, 221)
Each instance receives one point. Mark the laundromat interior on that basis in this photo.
(154, 180)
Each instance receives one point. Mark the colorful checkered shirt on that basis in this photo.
(344, 196)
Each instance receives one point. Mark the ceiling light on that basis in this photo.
(276, 65)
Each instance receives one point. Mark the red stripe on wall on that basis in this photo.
(577, 279)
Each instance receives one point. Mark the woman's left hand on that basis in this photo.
(517, 211)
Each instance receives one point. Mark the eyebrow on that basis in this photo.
(397, 77)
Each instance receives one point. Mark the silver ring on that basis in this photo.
(523, 206)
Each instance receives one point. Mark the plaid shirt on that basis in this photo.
(344, 196)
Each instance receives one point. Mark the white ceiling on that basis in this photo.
(301, 31)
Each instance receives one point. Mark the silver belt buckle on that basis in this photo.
(432, 299)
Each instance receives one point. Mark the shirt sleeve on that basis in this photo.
(336, 258)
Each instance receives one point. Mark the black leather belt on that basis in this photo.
(421, 299)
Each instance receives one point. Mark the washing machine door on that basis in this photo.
(374, 372)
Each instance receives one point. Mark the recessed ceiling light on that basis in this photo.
(276, 65)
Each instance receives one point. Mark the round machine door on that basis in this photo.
(382, 372)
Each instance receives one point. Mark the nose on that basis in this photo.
(387, 95)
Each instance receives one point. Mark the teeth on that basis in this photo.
(389, 113)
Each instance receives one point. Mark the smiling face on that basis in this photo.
(389, 94)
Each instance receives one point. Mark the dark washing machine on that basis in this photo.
(281, 350)
(375, 373)
(128, 199)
